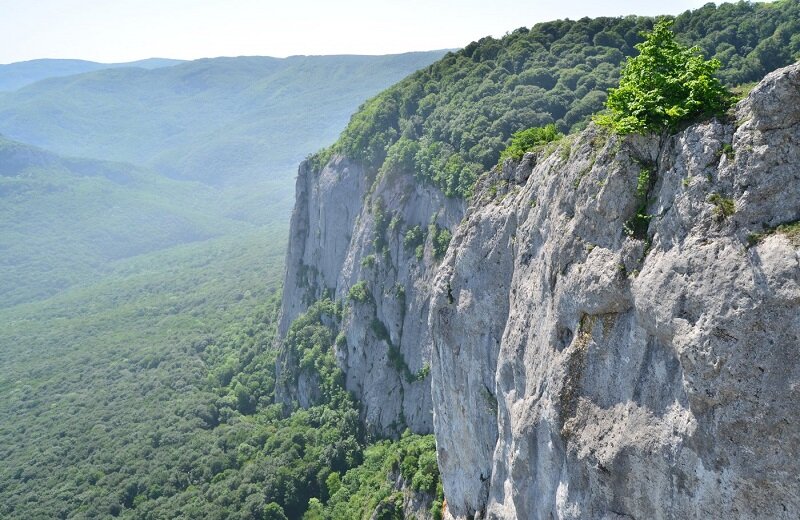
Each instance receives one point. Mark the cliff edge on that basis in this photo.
(616, 326)
(612, 332)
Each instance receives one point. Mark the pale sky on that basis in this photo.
(126, 30)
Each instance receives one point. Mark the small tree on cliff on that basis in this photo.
(665, 85)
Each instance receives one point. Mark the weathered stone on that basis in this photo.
(635, 378)
(584, 363)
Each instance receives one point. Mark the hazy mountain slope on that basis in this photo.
(17, 75)
(214, 120)
(112, 390)
(64, 219)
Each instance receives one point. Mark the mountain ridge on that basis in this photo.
(22, 73)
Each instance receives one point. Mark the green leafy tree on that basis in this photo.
(666, 84)
(525, 140)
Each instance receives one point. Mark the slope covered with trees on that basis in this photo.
(65, 218)
(220, 121)
(450, 121)
(17, 75)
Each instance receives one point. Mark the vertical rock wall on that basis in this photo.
(647, 373)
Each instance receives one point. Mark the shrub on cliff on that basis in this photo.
(665, 85)
(525, 140)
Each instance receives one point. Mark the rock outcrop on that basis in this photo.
(613, 331)
(349, 227)
(589, 364)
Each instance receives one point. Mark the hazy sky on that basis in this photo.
(124, 30)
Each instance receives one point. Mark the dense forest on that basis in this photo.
(153, 394)
(449, 122)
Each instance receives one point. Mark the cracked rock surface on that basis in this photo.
(575, 360)
(582, 369)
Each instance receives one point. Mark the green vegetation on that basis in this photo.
(637, 225)
(138, 319)
(17, 75)
(414, 240)
(723, 207)
(365, 489)
(450, 122)
(368, 261)
(138, 311)
(65, 221)
(526, 140)
(440, 238)
(359, 292)
(135, 395)
(309, 344)
(790, 230)
(151, 396)
(665, 85)
(219, 121)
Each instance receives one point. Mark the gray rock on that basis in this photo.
(583, 363)
(333, 247)
(651, 377)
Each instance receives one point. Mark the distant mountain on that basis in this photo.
(66, 220)
(16, 75)
(63, 219)
(216, 120)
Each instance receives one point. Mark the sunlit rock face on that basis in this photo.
(575, 360)
(349, 227)
(587, 364)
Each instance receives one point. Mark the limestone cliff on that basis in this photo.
(587, 367)
(349, 227)
(613, 331)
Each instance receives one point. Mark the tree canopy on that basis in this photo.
(665, 85)
(449, 122)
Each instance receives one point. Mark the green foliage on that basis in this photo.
(665, 85)
(64, 221)
(637, 225)
(456, 116)
(381, 226)
(317, 161)
(790, 230)
(526, 140)
(359, 292)
(205, 120)
(368, 261)
(124, 391)
(440, 238)
(366, 488)
(310, 342)
(413, 238)
(138, 312)
(724, 207)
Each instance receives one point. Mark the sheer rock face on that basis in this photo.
(583, 364)
(347, 228)
(581, 372)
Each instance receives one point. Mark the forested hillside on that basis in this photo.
(237, 122)
(67, 220)
(220, 121)
(450, 121)
(16, 75)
